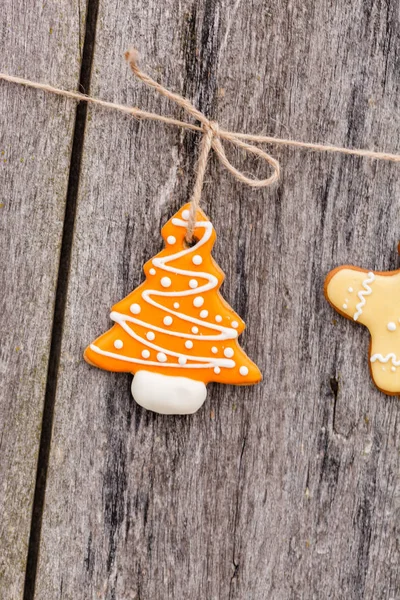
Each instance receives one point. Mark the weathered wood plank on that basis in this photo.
(43, 43)
(288, 489)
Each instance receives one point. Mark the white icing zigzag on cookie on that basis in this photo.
(384, 359)
(217, 332)
(370, 279)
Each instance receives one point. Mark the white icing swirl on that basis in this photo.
(370, 278)
(384, 359)
(217, 333)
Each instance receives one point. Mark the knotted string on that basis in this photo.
(212, 136)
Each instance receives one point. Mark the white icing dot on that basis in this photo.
(182, 360)
(350, 290)
(235, 324)
(165, 282)
(189, 344)
(198, 301)
(393, 369)
(185, 215)
(150, 335)
(228, 352)
(193, 283)
(214, 350)
(176, 304)
(161, 357)
(197, 260)
(243, 370)
(168, 320)
(204, 314)
(145, 353)
(218, 318)
(171, 239)
(391, 326)
(344, 306)
(135, 309)
(152, 271)
(217, 370)
(195, 329)
(118, 344)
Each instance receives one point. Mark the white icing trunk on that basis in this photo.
(168, 395)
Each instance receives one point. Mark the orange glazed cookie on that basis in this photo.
(175, 332)
(372, 299)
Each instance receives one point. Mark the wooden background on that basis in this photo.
(286, 490)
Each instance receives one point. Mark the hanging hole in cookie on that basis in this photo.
(190, 243)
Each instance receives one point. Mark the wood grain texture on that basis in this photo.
(290, 489)
(43, 43)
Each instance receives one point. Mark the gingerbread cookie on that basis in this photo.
(175, 332)
(372, 299)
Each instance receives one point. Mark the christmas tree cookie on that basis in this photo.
(175, 332)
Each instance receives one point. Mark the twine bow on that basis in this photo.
(211, 138)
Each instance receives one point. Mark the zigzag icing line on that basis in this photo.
(384, 359)
(370, 278)
(217, 332)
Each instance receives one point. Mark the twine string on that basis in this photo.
(206, 144)
(212, 134)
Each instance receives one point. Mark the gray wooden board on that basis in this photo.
(289, 489)
(42, 43)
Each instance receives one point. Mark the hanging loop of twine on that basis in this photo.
(211, 139)
(210, 130)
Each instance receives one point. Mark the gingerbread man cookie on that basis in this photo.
(175, 332)
(372, 299)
